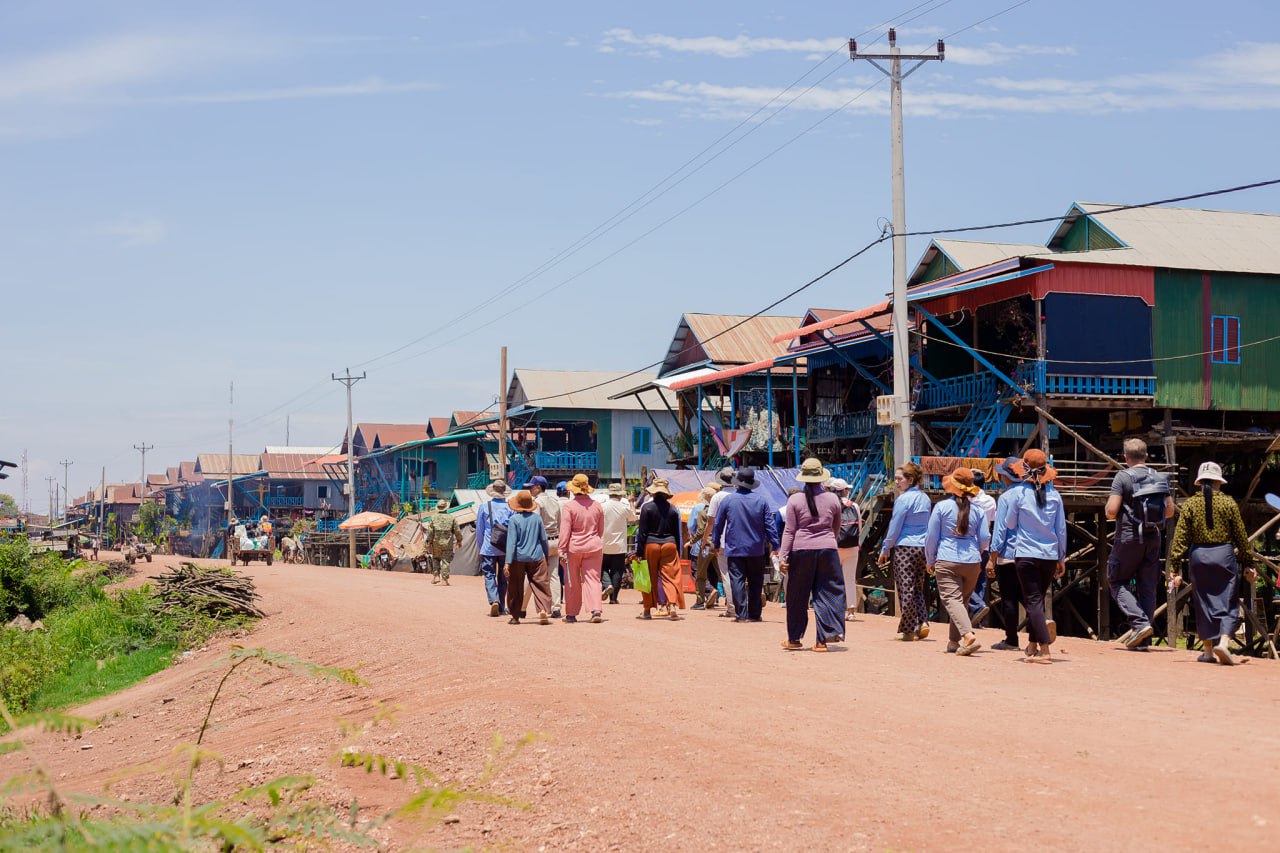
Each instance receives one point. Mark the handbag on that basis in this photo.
(640, 576)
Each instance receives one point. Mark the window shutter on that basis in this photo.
(1216, 339)
(1233, 340)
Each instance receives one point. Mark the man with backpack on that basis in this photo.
(1140, 503)
(491, 540)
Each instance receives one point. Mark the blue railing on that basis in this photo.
(1043, 382)
(567, 461)
(846, 425)
(282, 500)
(958, 391)
(478, 480)
(1012, 431)
(328, 526)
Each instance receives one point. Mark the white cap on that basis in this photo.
(835, 484)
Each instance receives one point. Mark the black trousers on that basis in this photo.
(1036, 576)
(611, 568)
(747, 574)
(1010, 597)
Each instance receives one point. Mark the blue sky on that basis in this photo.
(266, 193)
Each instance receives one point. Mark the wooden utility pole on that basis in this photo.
(901, 344)
(348, 380)
(502, 419)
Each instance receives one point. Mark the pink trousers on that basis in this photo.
(582, 583)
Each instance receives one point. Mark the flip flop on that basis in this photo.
(820, 647)
(789, 646)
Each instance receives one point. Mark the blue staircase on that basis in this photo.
(981, 426)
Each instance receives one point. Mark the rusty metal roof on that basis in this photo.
(725, 340)
(215, 464)
(437, 427)
(292, 466)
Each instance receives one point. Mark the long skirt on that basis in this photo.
(1215, 582)
(815, 572)
(664, 569)
(908, 577)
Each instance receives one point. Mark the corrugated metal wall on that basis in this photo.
(1083, 328)
(1179, 330)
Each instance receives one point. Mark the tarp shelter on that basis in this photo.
(774, 482)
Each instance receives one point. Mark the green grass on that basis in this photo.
(84, 680)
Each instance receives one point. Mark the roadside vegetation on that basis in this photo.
(92, 640)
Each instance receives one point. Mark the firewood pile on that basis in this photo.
(216, 592)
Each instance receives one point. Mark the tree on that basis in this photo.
(8, 506)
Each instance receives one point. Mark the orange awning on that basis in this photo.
(366, 521)
(851, 317)
(721, 375)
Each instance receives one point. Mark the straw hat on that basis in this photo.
(707, 492)
(1035, 460)
(660, 487)
(811, 471)
(580, 485)
(496, 489)
(960, 483)
(522, 501)
(617, 490)
(1209, 471)
(442, 505)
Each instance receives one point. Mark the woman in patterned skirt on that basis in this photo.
(904, 547)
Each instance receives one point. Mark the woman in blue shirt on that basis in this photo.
(1037, 541)
(904, 546)
(953, 548)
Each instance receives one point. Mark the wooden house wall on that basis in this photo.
(1185, 300)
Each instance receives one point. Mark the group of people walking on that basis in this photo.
(965, 541)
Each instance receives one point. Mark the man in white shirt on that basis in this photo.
(978, 607)
(618, 514)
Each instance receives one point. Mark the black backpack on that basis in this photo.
(850, 528)
(498, 530)
(1146, 508)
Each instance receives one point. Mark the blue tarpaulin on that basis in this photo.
(774, 482)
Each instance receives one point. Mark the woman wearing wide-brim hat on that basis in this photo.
(582, 545)
(811, 560)
(659, 536)
(1036, 525)
(953, 547)
(1211, 532)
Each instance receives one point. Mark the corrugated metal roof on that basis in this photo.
(314, 450)
(215, 464)
(579, 389)
(970, 254)
(292, 466)
(725, 340)
(437, 427)
(187, 473)
(1179, 238)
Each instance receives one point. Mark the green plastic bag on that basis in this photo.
(640, 576)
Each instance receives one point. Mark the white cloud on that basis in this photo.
(571, 42)
(372, 86)
(726, 48)
(133, 231)
(1245, 77)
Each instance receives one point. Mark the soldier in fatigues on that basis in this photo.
(443, 535)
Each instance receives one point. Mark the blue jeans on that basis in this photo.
(495, 580)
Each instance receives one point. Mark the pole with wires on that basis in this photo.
(349, 380)
(901, 343)
(66, 464)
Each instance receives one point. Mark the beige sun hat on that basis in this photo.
(811, 471)
(660, 487)
(496, 489)
(1210, 471)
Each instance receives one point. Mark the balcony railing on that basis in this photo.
(845, 425)
(567, 461)
(1067, 385)
(958, 391)
(281, 500)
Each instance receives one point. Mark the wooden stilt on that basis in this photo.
(1103, 593)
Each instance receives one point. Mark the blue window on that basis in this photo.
(641, 439)
(1224, 342)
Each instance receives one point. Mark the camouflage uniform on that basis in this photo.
(442, 534)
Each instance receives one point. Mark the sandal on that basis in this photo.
(544, 619)
(820, 647)
(792, 647)
(645, 615)
(673, 614)
(595, 616)
(514, 620)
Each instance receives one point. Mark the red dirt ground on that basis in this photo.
(703, 734)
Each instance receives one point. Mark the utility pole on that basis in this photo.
(142, 491)
(348, 380)
(50, 481)
(901, 343)
(66, 464)
(102, 506)
(502, 419)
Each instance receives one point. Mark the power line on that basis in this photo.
(950, 36)
(1010, 355)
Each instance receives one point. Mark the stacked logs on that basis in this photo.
(215, 592)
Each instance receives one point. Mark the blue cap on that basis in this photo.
(562, 487)
(536, 480)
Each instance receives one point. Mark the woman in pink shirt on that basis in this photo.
(582, 544)
(812, 561)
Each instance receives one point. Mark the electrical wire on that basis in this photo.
(1009, 355)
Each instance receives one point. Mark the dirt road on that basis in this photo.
(703, 734)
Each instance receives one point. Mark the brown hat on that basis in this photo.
(660, 487)
(1035, 463)
(960, 483)
(522, 501)
(580, 485)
